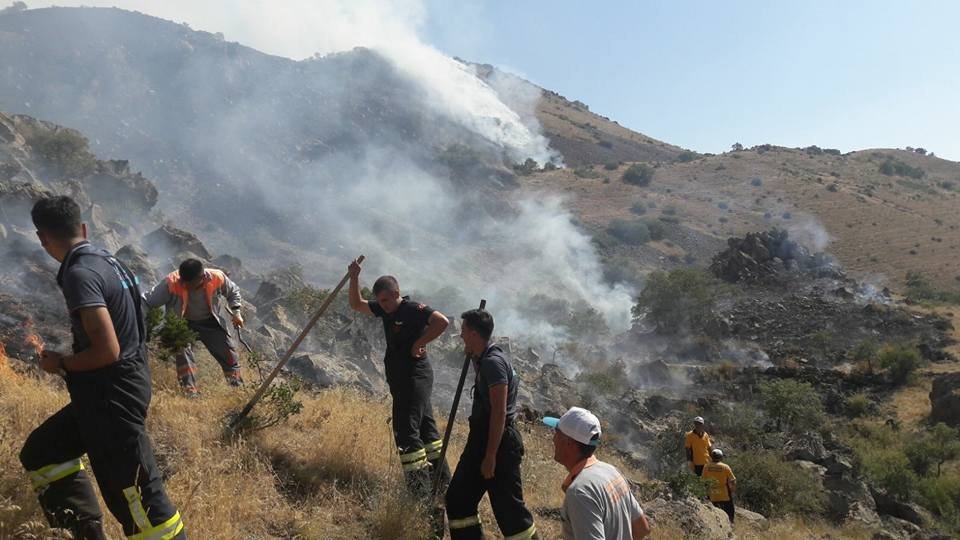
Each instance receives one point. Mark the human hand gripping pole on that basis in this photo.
(453, 415)
(286, 356)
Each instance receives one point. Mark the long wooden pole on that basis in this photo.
(293, 347)
(452, 417)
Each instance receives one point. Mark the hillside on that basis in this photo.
(879, 226)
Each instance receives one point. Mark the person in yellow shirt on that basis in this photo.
(697, 445)
(723, 485)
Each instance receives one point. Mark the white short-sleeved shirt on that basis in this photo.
(599, 505)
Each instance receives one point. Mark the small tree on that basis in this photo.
(677, 300)
(900, 361)
(175, 335)
(769, 485)
(638, 174)
(937, 446)
(791, 404)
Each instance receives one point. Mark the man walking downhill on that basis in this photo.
(697, 445)
(490, 462)
(108, 379)
(408, 327)
(597, 502)
(723, 485)
(196, 293)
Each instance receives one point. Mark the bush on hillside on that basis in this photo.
(792, 405)
(65, 151)
(919, 287)
(895, 167)
(900, 361)
(633, 232)
(773, 487)
(857, 405)
(638, 174)
(687, 156)
(174, 336)
(679, 300)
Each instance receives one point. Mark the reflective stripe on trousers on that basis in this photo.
(433, 449)
(167, 530)
(52, 473)
(465, 522)
(415, 460)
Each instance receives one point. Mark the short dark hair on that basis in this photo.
(57, 216)
(190, 269)
(586, 450)
(386, 283)
(479, 320)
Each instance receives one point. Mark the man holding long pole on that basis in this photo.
(490, 462)
(408, 327)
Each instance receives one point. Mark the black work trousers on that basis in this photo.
(728, 507)
(107, 425)
(505, 488)
(414, 429)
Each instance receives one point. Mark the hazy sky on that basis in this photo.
(699, 74)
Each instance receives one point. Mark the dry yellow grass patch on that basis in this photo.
(331, 472)
(800, 529)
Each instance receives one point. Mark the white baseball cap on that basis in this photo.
(579, 424)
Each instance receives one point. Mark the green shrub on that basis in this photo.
(633, 232)
(657, 229)
(64, 150)
(307, 299)
(741, 423)
(889, 469)
(900, 361)
(526, 168)
(933, 448)
(174, 336)
(611, 165)
(638, 209)
(683, 483)
(857, 405)
(792, 405)
(638, 174)
(773, 487)
(941, 495)
(679, 300)
(920, 288)
(895, 167)
(865, 354)
(687, 156)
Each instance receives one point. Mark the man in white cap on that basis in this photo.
(597, 503)
(697, 445)
(723, 485)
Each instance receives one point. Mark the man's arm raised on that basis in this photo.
(357, 303)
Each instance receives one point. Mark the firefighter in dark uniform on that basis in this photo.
(408, 327)
(108, 379)
(490, 462)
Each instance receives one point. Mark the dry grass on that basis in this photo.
(799, 529)
(331, 472)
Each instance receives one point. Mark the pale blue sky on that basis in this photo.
(705, 74)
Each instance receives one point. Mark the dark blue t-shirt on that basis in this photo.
(493, 368)
(90, 280)
(402, 329)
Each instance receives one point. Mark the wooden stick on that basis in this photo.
(293, 347)
(453, 415)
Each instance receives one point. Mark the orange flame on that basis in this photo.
(36, 342)
(32, 338)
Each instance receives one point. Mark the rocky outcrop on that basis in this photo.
(765, 256)
(169, 240)
(696, 519)
(325, 371)
(945, 399)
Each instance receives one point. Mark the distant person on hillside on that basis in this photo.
(196, 294)
(597, 502)
(723, 485)
(408, 327)
(697, 445)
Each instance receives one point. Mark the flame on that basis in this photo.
(32, 338)
(36, 342)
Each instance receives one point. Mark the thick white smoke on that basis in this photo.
(433, 234)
